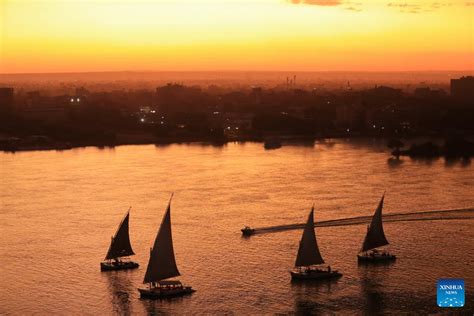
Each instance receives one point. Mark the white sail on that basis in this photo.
(162, 264)
(308, 252)
(120, 245)
(375, 235)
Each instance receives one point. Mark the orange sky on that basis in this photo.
(300, 35)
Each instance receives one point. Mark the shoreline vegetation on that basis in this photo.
(41, 142)
(453, 148)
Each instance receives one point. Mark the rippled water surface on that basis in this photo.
(59, 210)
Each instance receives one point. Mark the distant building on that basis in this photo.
(148, 115)
(47, 109)
(384, 92)
(33, 95)
(6, 95)
(237, 121)
(428, 93)
(6, 99)
(81, 91)
(257, 95)
(176, 97)
(345, 116)
(463, 88)
(297, 112)
(73, 99)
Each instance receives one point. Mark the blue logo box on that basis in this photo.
(450, 293)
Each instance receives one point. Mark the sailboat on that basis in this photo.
(375, 238)
(162, 265)
(119, 247)
(309, 257)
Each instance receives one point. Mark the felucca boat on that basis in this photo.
(375, 238)
(309, 259)
(120, 247)
(162, 265)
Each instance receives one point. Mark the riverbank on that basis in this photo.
(40, 142)
(451, 149)
(416, 149)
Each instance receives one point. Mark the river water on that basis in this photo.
(60, 208)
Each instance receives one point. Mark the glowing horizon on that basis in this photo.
(235, 35)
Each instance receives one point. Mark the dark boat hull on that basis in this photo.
(270, 146)
(247, 231)
(113, 266)
(314, 275)
(376, 258)
(155, 293)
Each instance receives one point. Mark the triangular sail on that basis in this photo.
(308, 252)
(375, 236)
(162, 264)
(120, 245)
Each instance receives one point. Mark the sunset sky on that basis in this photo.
(300, 35)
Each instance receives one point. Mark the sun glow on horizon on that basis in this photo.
(62, 36)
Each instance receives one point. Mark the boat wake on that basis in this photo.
(457, 214)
